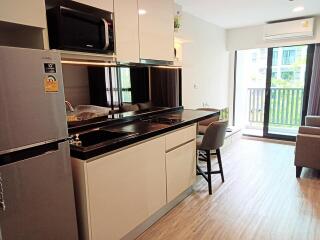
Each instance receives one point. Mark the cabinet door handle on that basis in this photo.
(2, 202)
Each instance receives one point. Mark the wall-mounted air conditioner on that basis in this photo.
(290, 29)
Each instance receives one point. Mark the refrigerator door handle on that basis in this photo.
(32, 146)
(2, 202)
(29, 153)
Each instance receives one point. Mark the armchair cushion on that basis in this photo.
(313, 121)
(309, 130)
(144, 106)
(129, 108)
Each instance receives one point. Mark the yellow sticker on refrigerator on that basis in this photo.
(51, 84)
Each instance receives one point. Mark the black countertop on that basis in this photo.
(139, 130)
(116, 118)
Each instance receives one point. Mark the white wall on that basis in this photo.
(252, 37)
(205, 63)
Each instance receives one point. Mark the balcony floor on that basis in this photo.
(278, 130)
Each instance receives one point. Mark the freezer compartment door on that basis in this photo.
(38, 198)
(32, 108)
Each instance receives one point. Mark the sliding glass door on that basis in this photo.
(251, 73)
(278, 106)
(285, 89)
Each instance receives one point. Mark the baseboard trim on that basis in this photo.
(156, 216)
(256, 138)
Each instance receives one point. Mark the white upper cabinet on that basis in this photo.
(29, 13)
(156, 29)
(126, 30)
(102, 4)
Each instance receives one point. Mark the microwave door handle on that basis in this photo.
(106, 28)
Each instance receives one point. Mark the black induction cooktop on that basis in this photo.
(162, 120)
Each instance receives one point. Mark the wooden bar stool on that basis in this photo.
(212, 139)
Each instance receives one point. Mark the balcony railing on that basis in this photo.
(285, 106)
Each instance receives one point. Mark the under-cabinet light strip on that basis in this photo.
(88, 63)
(169, 67)
(108, 64)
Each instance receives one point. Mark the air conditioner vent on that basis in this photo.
(301, 28)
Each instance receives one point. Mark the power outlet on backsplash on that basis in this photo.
(205, 104)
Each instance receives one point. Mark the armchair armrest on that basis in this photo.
(309, 130)
(307, 151)
(313, 121)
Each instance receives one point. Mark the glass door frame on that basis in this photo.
(307, 80)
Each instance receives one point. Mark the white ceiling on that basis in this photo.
(240, 13)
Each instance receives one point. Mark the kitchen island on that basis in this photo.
(126, 183)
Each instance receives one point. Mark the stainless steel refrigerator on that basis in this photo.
(36, 190)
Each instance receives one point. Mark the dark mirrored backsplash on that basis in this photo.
(95, 92)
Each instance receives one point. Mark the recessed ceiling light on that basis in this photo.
(142, 11)
(298, 9)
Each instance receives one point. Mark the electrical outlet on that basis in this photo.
(205, 104)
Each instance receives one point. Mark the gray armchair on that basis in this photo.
(308, 145)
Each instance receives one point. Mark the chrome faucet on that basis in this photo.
(68, 104)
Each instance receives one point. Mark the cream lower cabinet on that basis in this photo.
(180, 161)
(118, 192)
(121, 190)
(181, 169)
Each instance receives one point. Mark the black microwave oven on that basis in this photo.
(78, 27)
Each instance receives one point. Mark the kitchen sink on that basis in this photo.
(98, 136)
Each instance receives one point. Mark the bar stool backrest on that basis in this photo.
(214, 135)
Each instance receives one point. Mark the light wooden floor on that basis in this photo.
(261, 199)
